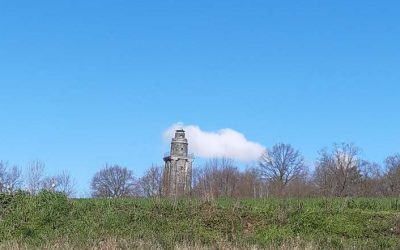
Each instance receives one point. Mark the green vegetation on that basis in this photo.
(366, 223)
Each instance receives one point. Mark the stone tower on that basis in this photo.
(177, 177)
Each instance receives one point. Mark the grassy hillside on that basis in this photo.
(53, 221)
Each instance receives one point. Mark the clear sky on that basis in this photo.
(83, 83)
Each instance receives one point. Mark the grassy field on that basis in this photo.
(50, 221)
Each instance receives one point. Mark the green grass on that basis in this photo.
(360, 223)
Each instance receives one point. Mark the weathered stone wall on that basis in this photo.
(177, 179)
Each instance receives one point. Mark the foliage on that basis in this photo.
(339, 223)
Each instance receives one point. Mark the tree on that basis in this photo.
(49, 183)
(113, 181)
(282, 165)
(227, 178)
(65, 183)
(337, 171)
(218, 177)
(62, 183)
(10, 178)
(250, 184)
(151, 183)
(34, 176)
(392, 176)
(371, 181)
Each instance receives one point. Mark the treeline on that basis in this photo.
(280, 172)
(34, 180)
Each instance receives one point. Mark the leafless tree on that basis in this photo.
(281, 165)
(202, 183)
(65, 183)
(10, 178)
(392, 176)
(301, 187)
(371, 181)
(35, 176)
(151, 183)
(14, 179)
(3, 170)
(250, 184)
(218, 177)
(49, 183)
(225, 176)
(62, 183)
(113, 181)
(337, 171)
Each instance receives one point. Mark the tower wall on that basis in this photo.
(177, 177)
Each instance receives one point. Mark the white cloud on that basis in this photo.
(223, 143)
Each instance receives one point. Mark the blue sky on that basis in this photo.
(83, 83)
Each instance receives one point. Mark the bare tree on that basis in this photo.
(202, 183)
(48, 183)
(392, 175)
(62, 183)
(218, 177)
(281, 165)
(65, 183)
(250, 184)
(10, 178)
(227, 178)
(3, 169)
(34, 176)
(337, 171)
(113, 181)
(151, 183)
(371, 181)
(14, 179)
